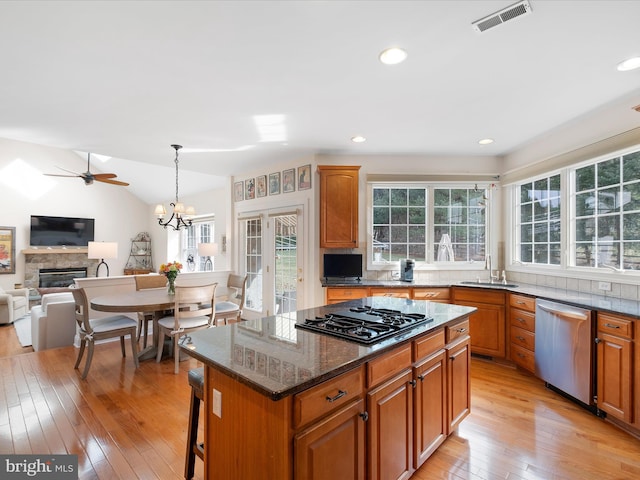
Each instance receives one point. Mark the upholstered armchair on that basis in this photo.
(14, 304)
(53, 322)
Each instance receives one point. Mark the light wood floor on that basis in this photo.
(132, 424)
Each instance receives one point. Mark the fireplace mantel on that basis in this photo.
(50, 250)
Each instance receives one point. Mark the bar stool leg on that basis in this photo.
(196, 379)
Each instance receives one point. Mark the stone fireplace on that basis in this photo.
(37, 261)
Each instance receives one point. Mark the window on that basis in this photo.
(607, 213)
(201, 231)
(401, 225)
(539, 227)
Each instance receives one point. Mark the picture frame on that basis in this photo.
(261, 186)
(238, 191)
(274, 183)
(250, 189)
(288, 180)
(304, 177)
(7, 249)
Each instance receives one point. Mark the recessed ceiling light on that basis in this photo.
(358, 139)
(629, 64)
(486, 141)
(393, 56)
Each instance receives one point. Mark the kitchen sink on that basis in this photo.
(489, 284)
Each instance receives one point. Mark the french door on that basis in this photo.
(272, 256)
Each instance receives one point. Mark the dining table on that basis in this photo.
(154, 300)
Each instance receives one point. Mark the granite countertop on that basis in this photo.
(276, 359)
(587, 300)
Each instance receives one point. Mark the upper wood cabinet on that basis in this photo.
(338, 206)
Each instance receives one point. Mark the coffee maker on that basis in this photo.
(406, 269)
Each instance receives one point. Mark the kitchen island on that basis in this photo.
(286, 403)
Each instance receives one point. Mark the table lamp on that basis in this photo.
(208, 250)
(102, 250)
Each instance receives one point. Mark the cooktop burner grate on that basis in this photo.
(365, 325)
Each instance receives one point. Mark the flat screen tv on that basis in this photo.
(61, 231)
(343, 265)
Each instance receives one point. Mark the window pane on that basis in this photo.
(417, 234)
(540, 254)
(585, 178)
(585, 229)
(399, 215)
(526, 193)
(631, 196)
(398, 196)
(526, 252)
(585, 204)
(631, 226)
(381, 196)
(554, 231)
(526, 233)
(526, 212)
(441, 197)
(608, 200)
(631, 167)
(609, 172)
(417, 216)
(631, 258)
(554, 254)
(381, 215)
(584, 256)
(417, 197)
(440, 215)
(399, 233)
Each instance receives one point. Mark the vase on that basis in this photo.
(171, 286)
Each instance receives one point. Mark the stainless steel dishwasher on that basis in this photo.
(564, 349)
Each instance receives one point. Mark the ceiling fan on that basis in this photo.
(89, 177)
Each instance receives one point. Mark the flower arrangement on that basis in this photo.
(171, 271)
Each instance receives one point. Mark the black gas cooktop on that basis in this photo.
(364, 325)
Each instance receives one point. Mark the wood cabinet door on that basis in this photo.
(390, 408)
(338, 206)
(615, 376)
(487, 329)
(334, 447)
(430, 414)
(458, 384)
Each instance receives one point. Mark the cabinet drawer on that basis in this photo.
(345, 293)
(523, 338)
(390, 292)
(522, 319)
(439, 294)
(458, 330)
(329, 395)
(522, 302)
(381, 368)
(615, 325)
(425, 346)
(523, 357)
(479, 295)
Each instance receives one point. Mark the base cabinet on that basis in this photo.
(390, 408)
(334, 447)
(487, 325)
(615, 366)
(459, 391)
(430, 399)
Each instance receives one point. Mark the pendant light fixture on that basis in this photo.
(180, 214)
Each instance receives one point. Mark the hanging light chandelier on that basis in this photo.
(181, 214)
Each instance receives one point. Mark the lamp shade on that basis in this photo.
(207, 249)
(102, 250)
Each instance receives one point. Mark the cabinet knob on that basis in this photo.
(364, 416)
(413, 383)
(521, 338)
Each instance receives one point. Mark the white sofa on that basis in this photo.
(53, 322)
(14, 304)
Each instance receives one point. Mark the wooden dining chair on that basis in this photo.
(193, 310)
(92, 330)
(230, 311)
(144, 282)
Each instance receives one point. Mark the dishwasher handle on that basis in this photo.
(567, 314)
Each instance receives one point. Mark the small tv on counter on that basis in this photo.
(47, 231)
(343, 265)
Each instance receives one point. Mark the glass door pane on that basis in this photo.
(253, 263)
(285, 234)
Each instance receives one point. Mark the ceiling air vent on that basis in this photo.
(513, 11)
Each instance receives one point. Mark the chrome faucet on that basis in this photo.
(488, 266)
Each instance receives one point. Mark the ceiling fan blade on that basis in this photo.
(113, 182)
(60, 175)
(104, 175)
